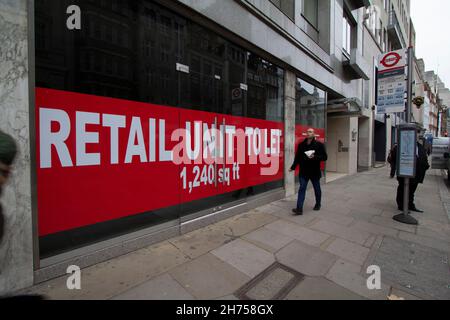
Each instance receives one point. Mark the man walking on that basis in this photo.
(422, 166)
(310, 154)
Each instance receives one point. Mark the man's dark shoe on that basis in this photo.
(297, 212)
(317, 207)
(414, 209)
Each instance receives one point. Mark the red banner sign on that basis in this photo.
(100, 159)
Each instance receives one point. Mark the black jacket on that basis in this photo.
(422, 164)
(310, 168)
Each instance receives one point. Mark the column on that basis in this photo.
(16, 248)
(289, 131)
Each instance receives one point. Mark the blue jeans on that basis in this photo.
(302, 192)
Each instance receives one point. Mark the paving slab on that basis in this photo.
(375, 228)
(160, 288)
(115, 276)
(433, 225)
(426, 241)
(268, 239)
(362, 201)
(365, 214)
(306, 259)
(199, 242)
(348, 233)
(303, 234)
(349, 251)
(208, 277)
(340, 207)
(286, 204)
(435, 216)
(269, 209)
(383, 205)
(337, 218)
(246, 223)
(318, 288)
(391, 223)
(435, 233)
(303, 220)
(347, 275)
(416, 267)
(370, 242)
(244, 256)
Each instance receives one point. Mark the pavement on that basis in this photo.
(269, 254)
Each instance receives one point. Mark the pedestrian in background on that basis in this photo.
(422, 166)
(392, 162)
(310, 154)
(8, 151)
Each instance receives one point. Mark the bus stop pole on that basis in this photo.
(408, 121)
(405, 217)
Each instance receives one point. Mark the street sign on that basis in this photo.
(390, 60)
(391, 83)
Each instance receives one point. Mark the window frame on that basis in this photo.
(311, 23)
(280, 7)
(350, 33)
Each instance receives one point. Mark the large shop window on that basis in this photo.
(155, 64)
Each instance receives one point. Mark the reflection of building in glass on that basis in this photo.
(53, 63)
(203, 88)
(162, 36)
(131, 50)
(265, 89)
(96, 60)
(310, 105)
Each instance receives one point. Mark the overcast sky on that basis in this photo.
(431, 20)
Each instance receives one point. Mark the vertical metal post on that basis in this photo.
(408, 121)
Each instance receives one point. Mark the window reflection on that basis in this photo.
(130, 49)
(310, 105)
(265, 89)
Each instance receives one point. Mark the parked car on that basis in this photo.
(440, 155)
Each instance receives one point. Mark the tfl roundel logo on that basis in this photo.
(391, 59)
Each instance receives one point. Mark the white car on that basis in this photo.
(440, 155)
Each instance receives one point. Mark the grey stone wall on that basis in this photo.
(16, 249)
(289, 129)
